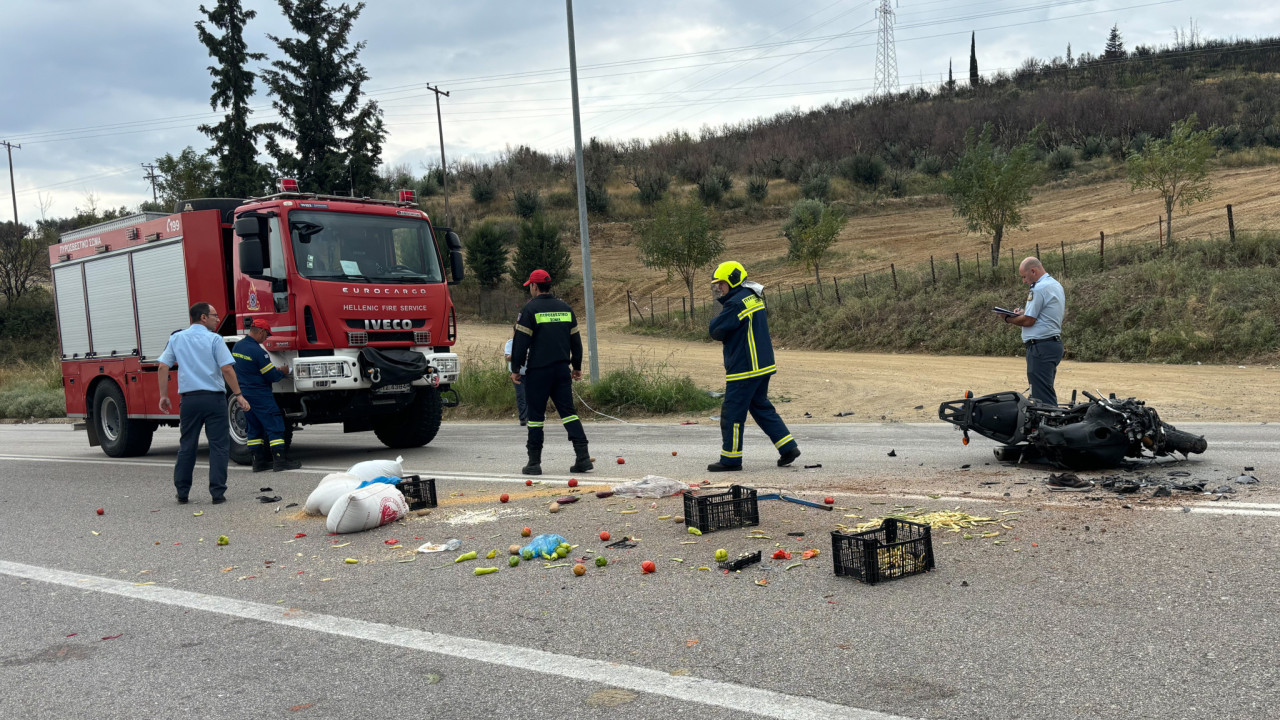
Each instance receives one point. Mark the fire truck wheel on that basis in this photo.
(119, 436)
(414, 426)
(240, 453)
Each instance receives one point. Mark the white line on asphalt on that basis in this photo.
(730, 696)
(1229, 510)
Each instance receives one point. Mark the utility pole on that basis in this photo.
(151, 175)
(12, 188)
(587, 293)
(444, 168)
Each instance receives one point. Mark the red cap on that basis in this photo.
(538, 276)
(261, 324)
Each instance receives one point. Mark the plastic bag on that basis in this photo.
(544, 544)
(650, 486)
(370, 469)
(384, 480)
(332, 487)
(366, 509)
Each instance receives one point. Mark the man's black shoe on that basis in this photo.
(531, 469)
(719, 467)
(788, 457)
(182, 499)
(219, 500)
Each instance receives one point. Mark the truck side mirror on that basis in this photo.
(250, 256)
(455, 257)
(251, 226)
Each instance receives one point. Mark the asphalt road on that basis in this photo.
(1085, 606)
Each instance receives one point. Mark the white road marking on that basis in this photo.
(740, 698)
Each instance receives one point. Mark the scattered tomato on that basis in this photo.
(504, 497)
(579, 569)
(528, 482)
(100, 511)
(829, 500)
(622, 461)
(647, 567)
(526, 532)
(604, 535)
(573, 482)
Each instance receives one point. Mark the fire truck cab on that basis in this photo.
(354, 289)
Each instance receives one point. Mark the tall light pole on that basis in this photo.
(587, 294)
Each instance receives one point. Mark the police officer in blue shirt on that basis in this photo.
(743, 327)
(264, 424)
(1041, 323)
(204, 370)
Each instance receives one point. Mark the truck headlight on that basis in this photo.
(323, 369)
(446, 366)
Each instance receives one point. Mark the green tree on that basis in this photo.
(974, 78)
(1177, 168)
(485, 253)
(539, 247)
(679, 237)
(990, 187)
(811, 230)
(317, 91)
(239, 174)
(1115, 45)
(24, 261)
(189, 175)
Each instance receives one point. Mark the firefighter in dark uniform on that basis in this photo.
(547, 342)
(264, 423)
(743, 327)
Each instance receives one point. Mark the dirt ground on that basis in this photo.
(906, 233)
(878, 387)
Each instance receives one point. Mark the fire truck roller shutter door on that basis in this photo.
(161, 280)
(110, 298)
(68, 281)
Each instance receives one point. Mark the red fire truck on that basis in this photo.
(354, 289)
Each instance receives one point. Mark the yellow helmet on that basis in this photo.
(731, 272)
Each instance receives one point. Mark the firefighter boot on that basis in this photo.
(282, 462)
(261, 459)
(535, 462)
(583, 458)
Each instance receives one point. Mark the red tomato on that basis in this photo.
(504, 497)
(622, 461)
(573, 482)
(604, 535)
(648, 567)
(100, 511)
(829, 500)
(528, 482)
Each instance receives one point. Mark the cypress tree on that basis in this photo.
(1115, 45)
(317, 91)
(974, 78)
(238, 172)
(540, 247)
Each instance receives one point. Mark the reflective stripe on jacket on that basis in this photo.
(254, 368)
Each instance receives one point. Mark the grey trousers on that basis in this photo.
(1042, 367)
(207, 410)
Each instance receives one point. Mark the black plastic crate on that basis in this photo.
(721, 511)
(896, 549)
(419, 492)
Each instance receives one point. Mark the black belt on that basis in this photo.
(201, 392)
(1055, 338)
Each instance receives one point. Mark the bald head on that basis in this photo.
(1031, 270)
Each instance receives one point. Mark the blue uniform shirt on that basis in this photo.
(200, 355)
(1047, 303)
(743, 327)
(254, 368)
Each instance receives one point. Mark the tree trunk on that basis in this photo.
(1168, 226)
(688, 282)
(995, 246)
(817, 276)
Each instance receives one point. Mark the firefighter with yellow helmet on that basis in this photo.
(743, 327)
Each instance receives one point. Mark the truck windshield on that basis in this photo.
(371, 248)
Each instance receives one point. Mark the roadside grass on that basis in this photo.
(1205, 300)
(31, 389)
(645, 388)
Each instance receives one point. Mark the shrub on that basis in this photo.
(652, 185)
(816, 187)
(896, 185)
(792, 170)
(713, 185)
(1062, 159)
(483, 190)
(863, 169)
(648, 389)
(540, 246)
(1093, 147)
(757, 188)
(485, 254)
(597, 199)
(1271, 135)
(526, 203)
(929, 165)
(1229, 137)
(562, 200)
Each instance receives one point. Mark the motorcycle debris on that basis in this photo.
(1247, 480)
(1162, 491)
(273, 499)
(1223, 490)
(810, 467)
(892, 453)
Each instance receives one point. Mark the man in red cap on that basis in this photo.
(264, 425)
(547, 343)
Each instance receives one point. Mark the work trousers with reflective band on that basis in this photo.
(264, 424)
(749, 396)
(556, 383)
(206, 410)
(1042, 370)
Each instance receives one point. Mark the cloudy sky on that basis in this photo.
(93, 88)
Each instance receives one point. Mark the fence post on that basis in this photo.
(683, 313)
(836, 282)
(865, 287)
(978, 259)
(1063, 243)
(894, 272)
(794, 298)
(933, 272)
(668, 309)
(652, 307)
(1102, 249)
(958, 277)
(628, 306)
(807, 301)
(1013, 262)
(1160, 226)
(1231, 223)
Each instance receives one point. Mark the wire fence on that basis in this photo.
(1078, 259)
(498, 304)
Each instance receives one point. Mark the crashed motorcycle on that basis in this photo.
(1091, 435)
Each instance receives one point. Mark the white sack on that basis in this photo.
(370, 469)
(367, 508)
(332, 487)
